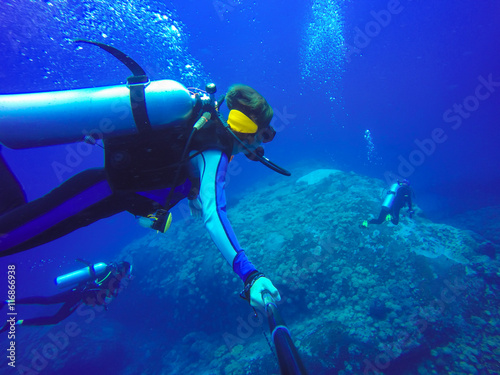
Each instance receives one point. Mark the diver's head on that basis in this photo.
(123, 269)
(404, 182)
(249, 115)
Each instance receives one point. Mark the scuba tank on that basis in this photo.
(85, 274)
(391, 195)
(112, 112)
(58, 117)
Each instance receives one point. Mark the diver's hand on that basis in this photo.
(196, 208)
(261, 285)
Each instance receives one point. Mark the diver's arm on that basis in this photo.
(410, 207)
(406, 193)
(212, 165)
(409, 201)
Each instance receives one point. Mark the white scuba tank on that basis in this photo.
(85, 274)
(391, 195)
(58, 117)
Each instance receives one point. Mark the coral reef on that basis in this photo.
(430, 281)
(416, 298)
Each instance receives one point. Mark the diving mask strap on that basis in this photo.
(268, 163)
(241, 123)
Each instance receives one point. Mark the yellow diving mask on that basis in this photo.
(241, 123)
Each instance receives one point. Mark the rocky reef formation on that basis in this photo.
(483, 221)
(418, 297)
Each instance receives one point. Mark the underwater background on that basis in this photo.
(364, 92)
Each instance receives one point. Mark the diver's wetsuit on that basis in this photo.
(89, 196)
(403, 196)
(70, 299)
(78, 202)
(212, 167)
(88, 293)
(11, 193)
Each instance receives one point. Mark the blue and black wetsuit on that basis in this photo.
(90, 294)
(11, 192)
(403, 196)
(71, 300)
(137, 178)
(212, 168)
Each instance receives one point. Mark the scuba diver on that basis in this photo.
(141, 174)
(96, 285)
(398, 196)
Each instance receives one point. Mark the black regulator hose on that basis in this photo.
(268, 163)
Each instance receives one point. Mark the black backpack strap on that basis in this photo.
(138, 104)
(136, 83)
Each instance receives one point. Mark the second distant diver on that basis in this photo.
(398, 195)
(98, 291)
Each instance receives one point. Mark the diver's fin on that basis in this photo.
(134, 67)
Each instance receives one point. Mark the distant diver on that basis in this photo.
(96, 285)
(162, 144)
(398, 195)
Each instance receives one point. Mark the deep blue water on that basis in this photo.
(407, 70)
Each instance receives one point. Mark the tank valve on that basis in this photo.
(211, 89)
